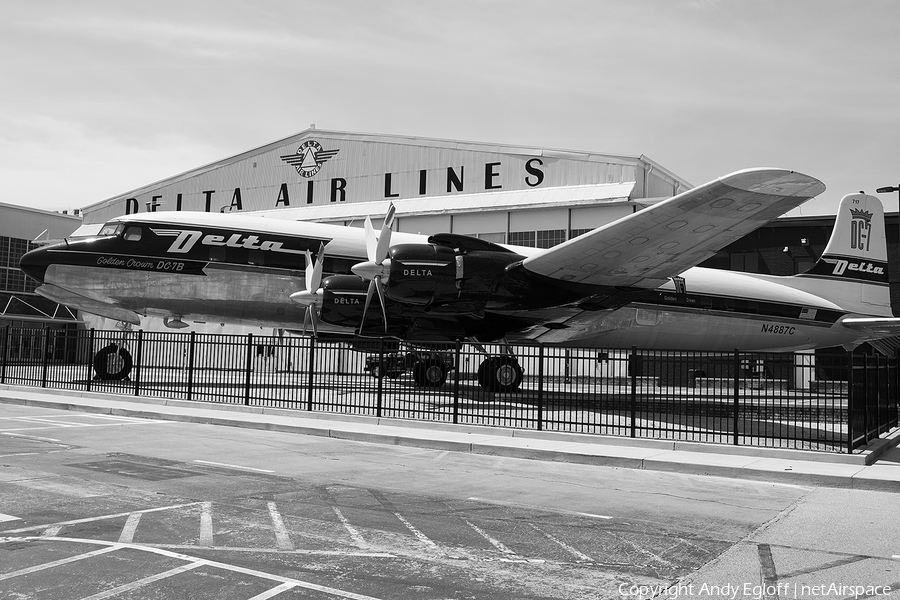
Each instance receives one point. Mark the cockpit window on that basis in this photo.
(133, 234)
(112, 228)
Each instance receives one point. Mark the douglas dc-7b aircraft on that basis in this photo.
(629, 283)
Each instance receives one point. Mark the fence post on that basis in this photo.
(5, 353)
(737, 387)
(379, 381)
(895, 414)
(312, 362)
(865, 397)
(456, 358)
(879, 420)
(851, 401)
(540, 398)
(634, 367)
(138, 362)
(45, 363)
(248, 364)
(90, 359)
(190, 384)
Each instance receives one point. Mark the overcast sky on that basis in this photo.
(101, 97)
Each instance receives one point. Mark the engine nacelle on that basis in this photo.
(343, 300)
(422, 273)
(437, 275)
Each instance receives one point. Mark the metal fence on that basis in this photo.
(774, 400)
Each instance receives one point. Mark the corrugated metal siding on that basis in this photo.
(360, 167)
(467, 203)
(424, 225)
(492, 222)
(594, 216)
(26, 224)
(539, 220)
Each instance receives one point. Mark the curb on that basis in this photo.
(775, 465)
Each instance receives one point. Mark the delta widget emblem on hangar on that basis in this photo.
(309, 158)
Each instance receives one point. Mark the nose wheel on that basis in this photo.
(112, 363)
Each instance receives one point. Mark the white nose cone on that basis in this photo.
(307, 298)
(370, 270)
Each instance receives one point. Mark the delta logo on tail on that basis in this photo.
(850, 253)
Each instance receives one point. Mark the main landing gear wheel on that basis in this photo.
(112, 363)
(500, 374)
(429, 373)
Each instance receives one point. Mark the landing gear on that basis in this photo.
(500, 374)
(112, 363)
(429, 372)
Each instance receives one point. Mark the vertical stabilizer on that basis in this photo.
(855, 260)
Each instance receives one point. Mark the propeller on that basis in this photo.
(311, 297)
(378, 267)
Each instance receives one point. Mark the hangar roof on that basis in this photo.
(566, 196)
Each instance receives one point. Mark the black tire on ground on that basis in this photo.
(112, 363)
(429, 373)
(376, 371)
(500, 374)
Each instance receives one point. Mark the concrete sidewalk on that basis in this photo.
(877, 467)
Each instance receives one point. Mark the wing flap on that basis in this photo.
(644, 249)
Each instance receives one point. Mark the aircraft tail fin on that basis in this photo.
(853, 269)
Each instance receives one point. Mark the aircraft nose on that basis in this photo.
(34, 264)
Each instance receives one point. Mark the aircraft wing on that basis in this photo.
(89, 305)
(644, 249)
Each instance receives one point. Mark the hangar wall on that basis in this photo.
(318, 175)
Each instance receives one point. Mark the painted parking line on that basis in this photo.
(357, 538)
(282, 538)
(538, 508)
(578, 554)
(145, 581)
(36, 438)
(206, 526)
(5, 518)
(101, 518)
(228, 466)
(56, 563)
(283, 583)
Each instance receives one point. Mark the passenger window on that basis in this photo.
(133, 234)
(256, 257)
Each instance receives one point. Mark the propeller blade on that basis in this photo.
(371, 240)
(315, 280)
(384, 239)
(305, 319)
(314, 320)
(380, 290)
(369, 294)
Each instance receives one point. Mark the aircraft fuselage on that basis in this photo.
(231, 269)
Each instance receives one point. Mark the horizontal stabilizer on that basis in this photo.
(876, 325)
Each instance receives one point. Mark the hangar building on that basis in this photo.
(507, 194)
(501, 193)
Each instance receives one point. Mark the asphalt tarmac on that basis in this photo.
(100, 505)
